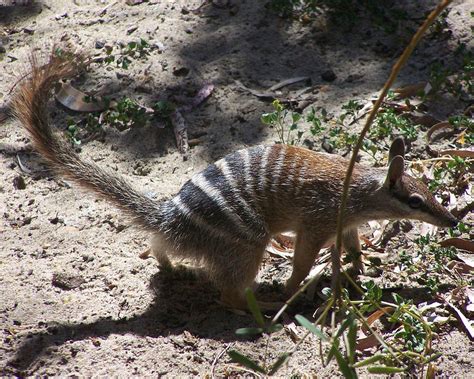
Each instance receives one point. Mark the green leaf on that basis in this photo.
(274, 328)
(351, 340)
(344, 326)
(269, 118)
(245, 361)
(254, 308)
(303, 321)
(249, 331)
(384, 370)
(295, 117)
(346, 370)
(368, 361)
(279, 362)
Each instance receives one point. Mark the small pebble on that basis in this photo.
(28, 30)
(328, 76)
(19, 182)
(66, 281)
(99, 44)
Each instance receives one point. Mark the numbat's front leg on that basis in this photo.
(306, 250)
(351, 244)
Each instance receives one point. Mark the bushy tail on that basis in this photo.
(30, 107)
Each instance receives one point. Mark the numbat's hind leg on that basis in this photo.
(159, 249)
(235, 271)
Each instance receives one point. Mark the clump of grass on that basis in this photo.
(407, 347)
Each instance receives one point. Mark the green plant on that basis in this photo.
(412, 334)
(463, 122)
(409, 344)
(126, 114)
(317, 126)
(262, 328)
(163, 110)
(372, 296)
(454, 81)
(277, 119)
(72, 131)
(340, 138)
(440, 24)
(460, 229)
(132, 51)
(450, 174)
(388, 122)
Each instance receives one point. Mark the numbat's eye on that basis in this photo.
(415, 201)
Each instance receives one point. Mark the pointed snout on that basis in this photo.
(448, 220)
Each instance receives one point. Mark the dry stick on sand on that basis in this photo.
(336, 253)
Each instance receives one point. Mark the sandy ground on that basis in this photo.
(75, 298)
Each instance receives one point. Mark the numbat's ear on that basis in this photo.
(395, 171)
(397, 148)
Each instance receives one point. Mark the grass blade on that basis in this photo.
(346, 370)
(249, 331)
(384, 370)
(351, 340)
(303, 321)
(280, 361)
(245, 361)
(254, 308)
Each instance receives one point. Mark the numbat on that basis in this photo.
(225, 215)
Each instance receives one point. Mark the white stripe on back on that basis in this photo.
(248, 176)
(262, 180)
(278, 168)
(223, 166)
(291, 174)
(301, 177)
(204, 185)
(195, 218)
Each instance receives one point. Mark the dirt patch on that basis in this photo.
(75, 298)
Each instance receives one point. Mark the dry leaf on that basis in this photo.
(375, 316)
(274, 248)
(74, 99)
(288, 82)
(177, 119)
(410, 90)
(370, 340)
(463, 153)
(436, 127)
(371, 245)
(292, 329)
(267, 95)
(460, 268)
(458, 243)
(180, 131)
(428, 229)
(424, 119)
(286, 240)
(367, 343)
(464, 320)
